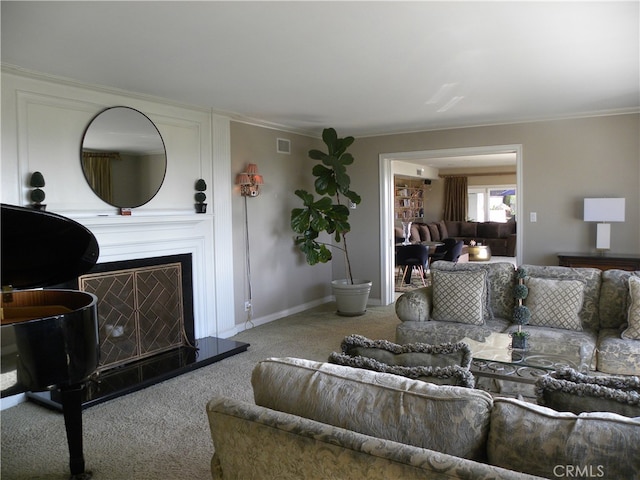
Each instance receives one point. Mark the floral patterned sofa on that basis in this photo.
(316, 420)
(570, 308)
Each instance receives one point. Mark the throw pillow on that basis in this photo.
(425, 235)
(409, 355)
(567, 390)
(451, 375)
(555, 303)
(459, 296)
(633, 318)
(442, 227)
(434, 232)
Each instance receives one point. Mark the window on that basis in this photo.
(492, 204)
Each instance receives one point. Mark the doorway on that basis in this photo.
(388, 165)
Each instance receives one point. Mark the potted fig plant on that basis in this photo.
(521, 313)
(330, 214)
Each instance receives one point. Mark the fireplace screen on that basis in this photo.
(140, 311)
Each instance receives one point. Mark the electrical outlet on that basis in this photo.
(247, 306)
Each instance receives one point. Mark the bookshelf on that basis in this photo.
(409, 199)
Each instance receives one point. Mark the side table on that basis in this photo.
(604, 261)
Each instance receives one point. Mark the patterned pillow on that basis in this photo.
(408, 355)
(567, 390)
(633, 319)
(459, 296)
(451, 375)
(555, 303)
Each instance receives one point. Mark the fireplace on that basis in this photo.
(145, 326)
(145, 307)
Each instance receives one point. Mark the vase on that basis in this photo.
(519, 342)
(406, 232)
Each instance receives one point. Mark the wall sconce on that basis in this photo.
(603, 210)
(250, 181)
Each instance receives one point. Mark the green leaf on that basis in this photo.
(300, 219)
(330, 138)
(316, 154)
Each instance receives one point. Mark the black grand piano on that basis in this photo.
(55, 332)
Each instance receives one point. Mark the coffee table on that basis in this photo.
(494, 358)
(479, 253)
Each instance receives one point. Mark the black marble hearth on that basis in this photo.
(137, 375)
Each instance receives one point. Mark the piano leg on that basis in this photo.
(71, 400)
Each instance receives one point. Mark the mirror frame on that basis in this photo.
(113, 152)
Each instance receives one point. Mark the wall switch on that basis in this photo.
(533, 217)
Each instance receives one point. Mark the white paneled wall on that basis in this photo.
(43, 121)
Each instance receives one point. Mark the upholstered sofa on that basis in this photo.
(315, 420)
(500, 237)
(573, 310)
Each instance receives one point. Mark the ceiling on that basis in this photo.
(365, 68)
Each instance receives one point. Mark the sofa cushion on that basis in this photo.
(632, 331)
(538, 440)
(425, 234)
(434, 232)
(592, 280)
(567, 390)
(451, 375)
(444, 231)
(615, 298)
(408, 355)
(469, 229)
(555, 303)
(501, 277)
(453, 228)
(415, 232)
(459, 296)
(447, 332)
(378, 404)
(616, 355)
(489, 230)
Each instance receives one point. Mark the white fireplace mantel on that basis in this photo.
(151, 235)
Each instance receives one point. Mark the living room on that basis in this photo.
(592, 151)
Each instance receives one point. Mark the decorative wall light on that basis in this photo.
(250, 181)
(603, 210)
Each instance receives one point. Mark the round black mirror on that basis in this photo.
(123, 157)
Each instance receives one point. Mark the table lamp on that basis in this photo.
(603, 210)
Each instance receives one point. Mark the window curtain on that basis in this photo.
(456, 200)
(97, 170)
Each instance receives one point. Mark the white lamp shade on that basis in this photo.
(604, 209)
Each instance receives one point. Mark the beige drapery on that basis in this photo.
(97, 170)
(455, 198)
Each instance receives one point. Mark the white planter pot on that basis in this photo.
(351, 298)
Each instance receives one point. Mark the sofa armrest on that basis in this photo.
(415, 306)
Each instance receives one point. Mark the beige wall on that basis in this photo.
(282, 282)
(564, 161)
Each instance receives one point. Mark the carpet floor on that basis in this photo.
(162, 432)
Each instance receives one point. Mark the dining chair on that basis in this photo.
(409, 257)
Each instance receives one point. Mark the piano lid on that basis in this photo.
(41, 249)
